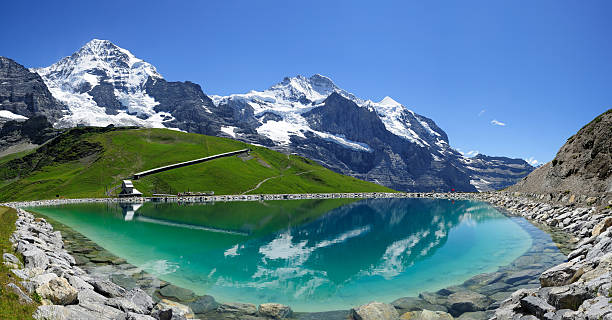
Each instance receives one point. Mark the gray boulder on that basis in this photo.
(596, 309)
(536, 306)
(78, 283)
(11, 260)
(125, 305)
(107, 288)
(42, 279)
(274, 311)
(35, 258)
(560, 275)
(23, 298)
(140, 299)
(27, 273)
(568, 297)
(374, 311)
(136, 316)
(426, 315)
(51, 313)
(58, 291)
(170, 310)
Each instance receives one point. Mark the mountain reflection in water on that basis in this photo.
(323, 254)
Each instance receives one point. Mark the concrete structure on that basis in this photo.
(139, 175)
(128, 190)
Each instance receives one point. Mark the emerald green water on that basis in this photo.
(310, 254)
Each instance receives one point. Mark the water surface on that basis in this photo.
(310, 254)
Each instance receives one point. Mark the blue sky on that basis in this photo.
(541, 68)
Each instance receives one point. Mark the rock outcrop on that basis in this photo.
(24, 93)
(572, 290)
(582, 167)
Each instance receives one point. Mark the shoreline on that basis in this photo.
(238, 197)
(505, 201)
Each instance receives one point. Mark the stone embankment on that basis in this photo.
(576, 289)
(67, 292)
(243, 197)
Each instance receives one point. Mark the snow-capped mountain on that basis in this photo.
(103, 84)
(382, 141)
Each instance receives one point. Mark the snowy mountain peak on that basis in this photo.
(388, 101)
(102, 84)
(305, 90)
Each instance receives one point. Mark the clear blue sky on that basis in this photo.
(543, 68)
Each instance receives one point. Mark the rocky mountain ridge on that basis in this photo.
(383, 141)
(582, 167)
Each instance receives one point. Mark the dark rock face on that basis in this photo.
(583, 165)
(24, 93)
(104, 95)
(391, 160)
(35, 130)
(186, 102)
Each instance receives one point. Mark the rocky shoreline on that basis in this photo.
(545, 284)
(577, 289)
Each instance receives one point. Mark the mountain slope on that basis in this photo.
(583, 165)
(84, 162)
(23, 94)
(383, 141)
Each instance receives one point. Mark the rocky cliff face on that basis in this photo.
(383, 141)
(23, 94)
(583, 165)
(35, 130)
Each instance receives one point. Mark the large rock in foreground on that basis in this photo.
(374, 311)
(58, 291)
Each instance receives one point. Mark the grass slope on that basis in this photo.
(84, 162)
(10, 308)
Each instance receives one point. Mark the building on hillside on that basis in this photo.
(128, 190)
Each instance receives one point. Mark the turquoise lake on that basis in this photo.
(312, 255)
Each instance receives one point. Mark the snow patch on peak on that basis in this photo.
(388, 101)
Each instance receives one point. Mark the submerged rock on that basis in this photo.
(203, 304)
(467, 301)
(178, 293)
(415, 304)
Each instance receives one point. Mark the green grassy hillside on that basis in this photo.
(85, 162)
